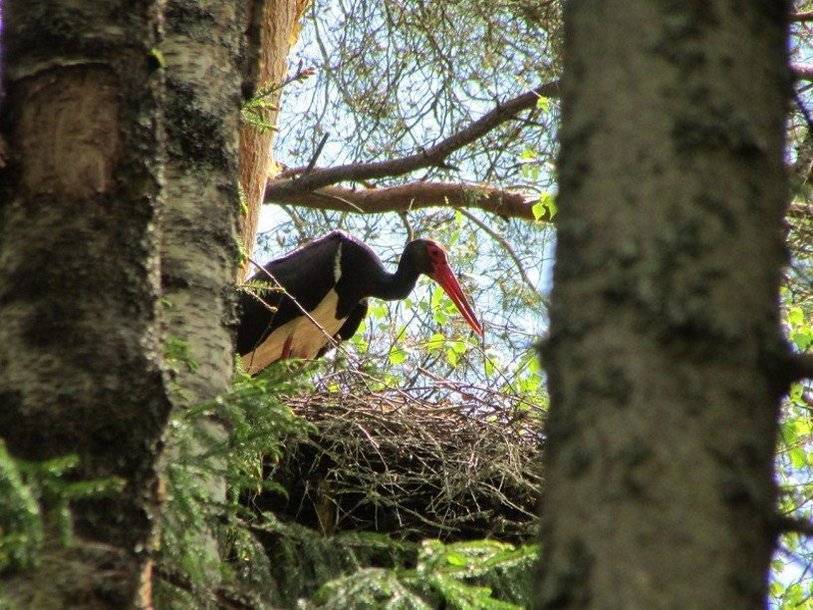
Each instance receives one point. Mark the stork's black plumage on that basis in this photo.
(331, 278)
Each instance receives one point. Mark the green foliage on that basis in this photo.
(201, 455)
(368, 588)
(792, 585)
(20, 523)
(53, 484)
(260, 288)
(301, 559)
(475, 575)
(545, 207)
(257, 110)
(543, 103)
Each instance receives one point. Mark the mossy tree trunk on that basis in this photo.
(199, 248)
(79, 343)
(664, 344)
(203, 49)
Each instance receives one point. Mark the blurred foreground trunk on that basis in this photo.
(664, 351)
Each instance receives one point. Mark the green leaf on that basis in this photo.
(546, 206)
(397, 355)
(802, 339)
(543, 103)
(459, 347)
(435, 342)
(527, 155)
(538, 210)
(796, 316)
(377, 310)
(457, 559)
(798, 457)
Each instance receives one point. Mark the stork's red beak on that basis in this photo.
(444, 276)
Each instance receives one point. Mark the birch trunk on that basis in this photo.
(199, 249)
(664, 341)
(79, 350)
(202, 48)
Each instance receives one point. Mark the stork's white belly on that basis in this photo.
(306, 337)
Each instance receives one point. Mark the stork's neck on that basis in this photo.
(398, 285)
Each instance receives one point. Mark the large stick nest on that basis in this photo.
(389, 461)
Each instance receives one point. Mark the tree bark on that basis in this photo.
(199, 245)
(273, 28)
(79, 352)
(664, 347)
(203, 50)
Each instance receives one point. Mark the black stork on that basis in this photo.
(331, 278)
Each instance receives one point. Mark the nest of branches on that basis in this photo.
(394, 462)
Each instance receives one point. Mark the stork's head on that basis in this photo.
(430, 259)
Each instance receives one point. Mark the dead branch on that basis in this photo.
(802, 16)
(432, 156)
(413, 196)
(801, 367)
(802, 71)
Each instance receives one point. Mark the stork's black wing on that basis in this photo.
(353, 321)
(307, 274)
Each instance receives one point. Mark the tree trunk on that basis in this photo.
(79, 351)
(274, 27)
(199, 249)
(664, 340)
(199, 246)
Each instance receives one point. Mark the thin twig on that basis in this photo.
(505, 246)
(316, 153)
(304, 311)
(407, 225)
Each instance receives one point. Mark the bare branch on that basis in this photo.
(317, 152)
(802, 16)
(786, 524)
(407, 225)
(802, 71)
(433, 156)
(413, 196)
(801, 367)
